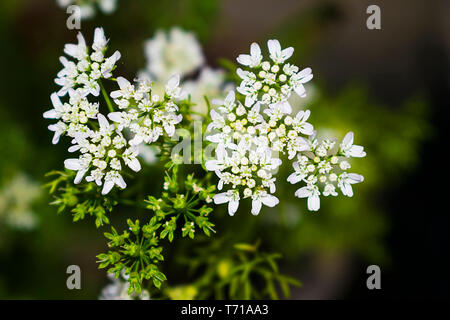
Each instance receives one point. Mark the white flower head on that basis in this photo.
(175, 52)
(322, 167)
(270, 82)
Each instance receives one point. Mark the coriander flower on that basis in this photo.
(267, 82)
(232, 197)
(323, 167)
(345, 181)
(73, 115)
(253, 59)
(88, 68)
(144, 114)
(175, 52)
(348, 149)
(103, 152)
(262, 197)
(311, 192)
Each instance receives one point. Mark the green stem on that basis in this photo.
(105, 96)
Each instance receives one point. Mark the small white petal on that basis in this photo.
(303, 192)
(107, 186)
(256, 206)
(102, 121)
(270, 200)
(51, 114)
(134, 165)
(244, 59)
(79, 176)
(120, 182)
(72, 164)
(294, 178)
(232, 207)
(314, 203)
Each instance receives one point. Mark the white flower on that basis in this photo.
(345, 181)
(17, 196)
(300, 125)
(109, 64)
(320, 170)
(298, 175)
(228, 104)
(144, 114)
(100, 41)
(113, 178)
(232, 197)
(253, 59)
(175, 52)
(276, 54)
(78, 51)
(80, 165)
(312, 193)
(173, 89)
(297, 80)
(59, 128)
(348, 149)
(108, 6)
(270, 83)
(89, 68)
(129, 156)
(262, 197)
(329, 189)
(126, 89)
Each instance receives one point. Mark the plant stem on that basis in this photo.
(105, 96)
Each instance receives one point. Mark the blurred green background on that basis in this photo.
(389, 86)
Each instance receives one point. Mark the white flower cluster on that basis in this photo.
(79, 79)
(146, 115)
(270, 81)
(104, 149)
(87, 7)
(84, 73)
(101, 153)
(17, 197)
(251, 136)
(173, 52)
(323, 167)
(251, 163)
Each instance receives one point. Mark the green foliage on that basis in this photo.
(239, 271)
(79, 199)
(136, 252)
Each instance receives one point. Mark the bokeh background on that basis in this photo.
(389, 86)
